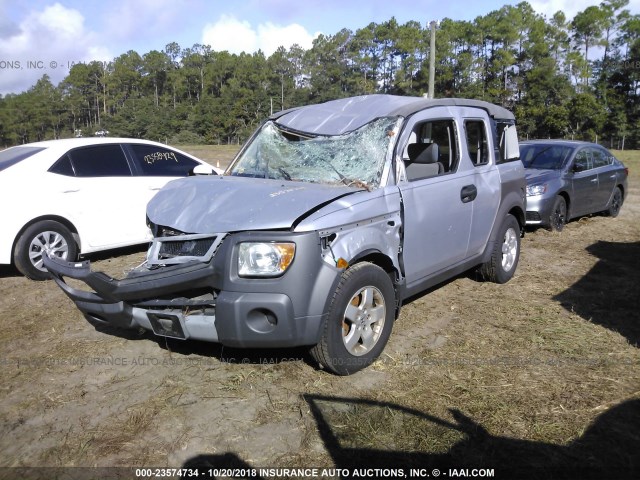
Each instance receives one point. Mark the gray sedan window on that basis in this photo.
(600, 158)
(582, 161)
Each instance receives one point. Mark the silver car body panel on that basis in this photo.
(341, 116)
(229, 204)
(364, 222)
(463, 229)
(422, 231)
(347, 114)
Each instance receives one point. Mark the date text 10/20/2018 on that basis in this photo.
(311, 472)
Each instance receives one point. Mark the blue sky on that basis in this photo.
(47, 36)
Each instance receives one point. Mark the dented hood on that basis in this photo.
(212, 204)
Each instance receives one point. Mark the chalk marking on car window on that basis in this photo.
(155, 156)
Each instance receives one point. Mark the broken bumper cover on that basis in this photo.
(276, 312)
(121, 303)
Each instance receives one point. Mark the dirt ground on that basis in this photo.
(540, 374)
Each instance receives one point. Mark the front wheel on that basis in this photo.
(506, 253)
(43, 238)
(558, 217)
(359, 321)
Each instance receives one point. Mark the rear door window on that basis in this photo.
(156, 161)
(100, 161)
(600, 158)
(477, 144)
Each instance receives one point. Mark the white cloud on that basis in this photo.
(45, 42)
(271, 37)
(236, 36)
(571, 7)
(230, 34)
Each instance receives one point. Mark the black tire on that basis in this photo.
(558, 217)
(351, 340)
(37, 239)
(506, 253)
(616, 203)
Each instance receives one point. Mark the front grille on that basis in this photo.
(185, 248)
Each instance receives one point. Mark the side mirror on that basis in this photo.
(509, 145)
(202, 170)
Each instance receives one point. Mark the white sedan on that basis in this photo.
(76, 196)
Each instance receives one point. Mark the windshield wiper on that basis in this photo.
(348, 181)
(284, 173)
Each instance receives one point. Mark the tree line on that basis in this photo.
(563, 78)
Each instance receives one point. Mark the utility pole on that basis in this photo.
(432, 58)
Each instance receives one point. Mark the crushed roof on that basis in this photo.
(347, 114)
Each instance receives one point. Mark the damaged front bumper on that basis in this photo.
(207, 300)
(137, 301)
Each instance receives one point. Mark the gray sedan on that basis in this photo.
(568, 179)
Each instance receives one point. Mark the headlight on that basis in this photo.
(264, 259)
(536, 189)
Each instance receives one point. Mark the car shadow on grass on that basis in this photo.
(609, 294)
(363, 434)
(7, 271)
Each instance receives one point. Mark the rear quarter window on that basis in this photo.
(63, 166)
(155, 161)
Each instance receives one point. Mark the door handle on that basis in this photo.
(468, 193)
(71, 191)
(594, 180)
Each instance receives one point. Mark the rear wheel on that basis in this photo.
(616, 203)
(506, 253)
(359, 322)
(43, 238)
(558, 217)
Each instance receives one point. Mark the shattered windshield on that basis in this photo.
(354, 159)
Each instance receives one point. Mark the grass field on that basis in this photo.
(537, 378)
(216, 155)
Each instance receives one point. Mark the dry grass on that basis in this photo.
(216, 155)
